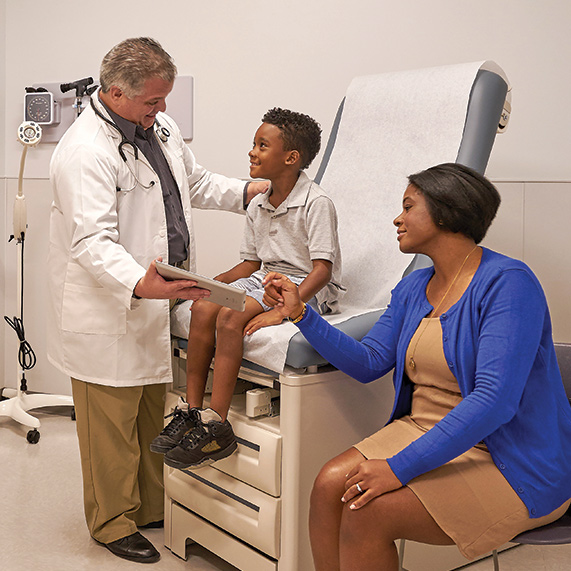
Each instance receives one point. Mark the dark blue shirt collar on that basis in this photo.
(128, 128)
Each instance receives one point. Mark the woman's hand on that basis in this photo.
(282, 294)
(374, 478)
(272, 317)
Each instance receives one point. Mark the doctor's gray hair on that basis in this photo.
(132, 62)
(458, 198)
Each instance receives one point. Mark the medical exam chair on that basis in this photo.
(251, 509)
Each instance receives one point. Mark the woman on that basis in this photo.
(477, 446)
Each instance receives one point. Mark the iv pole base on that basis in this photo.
(29, 134)
(17, 407)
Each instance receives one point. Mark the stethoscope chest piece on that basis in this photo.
(163, 134)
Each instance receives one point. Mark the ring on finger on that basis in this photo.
(359, 488)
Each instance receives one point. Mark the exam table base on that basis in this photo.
(322, 414)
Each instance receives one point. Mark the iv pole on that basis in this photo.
(29, 134)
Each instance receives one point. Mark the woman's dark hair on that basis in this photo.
(459, 199)
(299, 132)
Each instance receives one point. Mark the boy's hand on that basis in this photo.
(282, 294)
(271, 317)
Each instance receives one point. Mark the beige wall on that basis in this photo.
(249, 55)
(531, 225)
(3, 203)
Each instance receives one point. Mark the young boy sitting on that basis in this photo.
(291, 229)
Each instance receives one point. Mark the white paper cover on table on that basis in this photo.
(393, 125)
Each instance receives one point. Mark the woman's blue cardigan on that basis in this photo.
(498, 344)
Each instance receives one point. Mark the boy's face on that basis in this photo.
(268, 159)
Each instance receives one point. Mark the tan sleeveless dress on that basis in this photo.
(468, 497)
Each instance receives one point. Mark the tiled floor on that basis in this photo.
(41, 516)
(42, 527)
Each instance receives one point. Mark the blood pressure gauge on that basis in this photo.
(40, 108)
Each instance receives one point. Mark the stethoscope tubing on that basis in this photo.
(162, 133)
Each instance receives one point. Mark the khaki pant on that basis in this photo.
(122, 478)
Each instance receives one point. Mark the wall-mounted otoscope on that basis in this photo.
(82, 88)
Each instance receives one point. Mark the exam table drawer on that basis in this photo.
(258, 458)
(243, 511)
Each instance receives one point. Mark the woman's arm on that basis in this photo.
(364, 360)
(316, 279)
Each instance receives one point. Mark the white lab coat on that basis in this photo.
(101, 243)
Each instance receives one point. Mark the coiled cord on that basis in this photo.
(26, 355)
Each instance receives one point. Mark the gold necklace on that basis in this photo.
(411, 362)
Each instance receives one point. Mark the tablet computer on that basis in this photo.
(220, 293)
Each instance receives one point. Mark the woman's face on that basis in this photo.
(415, 228)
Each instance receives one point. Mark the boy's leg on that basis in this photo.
(229, 351)
(201, 341)
(201, 347)
(213, 438)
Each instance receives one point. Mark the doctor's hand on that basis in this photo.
(153, 286)
(282, 294)
(373, 478)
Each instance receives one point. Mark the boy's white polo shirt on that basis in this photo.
(302, 228)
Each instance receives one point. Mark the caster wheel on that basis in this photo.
(33, 436)
(72, 413)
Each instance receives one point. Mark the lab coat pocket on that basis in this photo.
(93, 311)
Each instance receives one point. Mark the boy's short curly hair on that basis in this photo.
(299, 132)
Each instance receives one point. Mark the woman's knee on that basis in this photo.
(330, 482)
(328, 488)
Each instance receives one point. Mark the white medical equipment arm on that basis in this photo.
(29, 134)
(20, 215)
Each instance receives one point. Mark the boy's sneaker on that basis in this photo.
(184, 419)
(206, 443)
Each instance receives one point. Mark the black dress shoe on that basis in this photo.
(134, 547)
(159, 524)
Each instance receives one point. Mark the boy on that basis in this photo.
(291, 229)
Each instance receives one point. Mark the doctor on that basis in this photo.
(124, 186)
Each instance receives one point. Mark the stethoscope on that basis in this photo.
(162, 133)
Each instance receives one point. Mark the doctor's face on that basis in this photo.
(142, 109)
